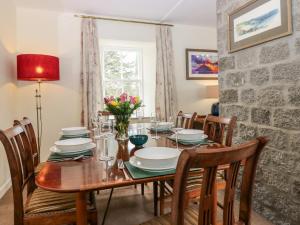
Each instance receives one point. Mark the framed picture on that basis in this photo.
(259, 21)
(201, 64)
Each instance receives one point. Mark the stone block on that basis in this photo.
(274, 53)
(261, 116)
(273, 177)
(228, 96)
(241, 112)
(277, 138)
(294, 95)
(247, 132)
(294, 143)
(237, 79)
(271, 96)
(297, 46)
(227, 63)
(259, 76)
(247, 58)
(248, 96)
(282, 161)
(287, 118)
(287, 72)
(295, 190)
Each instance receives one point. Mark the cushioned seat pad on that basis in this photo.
(42, 201)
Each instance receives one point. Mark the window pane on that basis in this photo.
(112, 88)
(112, 64)
(132, 88)
(130, 64)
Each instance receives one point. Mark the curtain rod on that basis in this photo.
(123, 20)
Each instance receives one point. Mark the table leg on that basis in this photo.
(81, 209)
(155, 196)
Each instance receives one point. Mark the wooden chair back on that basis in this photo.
(28, 127)
(185, 120)
(217, 128)
(210, 160)
(199, 122)
(18, 151)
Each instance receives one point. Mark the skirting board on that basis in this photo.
(5, 187)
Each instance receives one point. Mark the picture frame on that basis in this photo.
(201, 64)
(257, 22)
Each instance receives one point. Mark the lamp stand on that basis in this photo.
(38, 106)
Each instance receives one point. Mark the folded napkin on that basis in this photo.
(54, 157)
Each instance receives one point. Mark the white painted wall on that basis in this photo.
(7, 86)
(192, 93)
(49, 32)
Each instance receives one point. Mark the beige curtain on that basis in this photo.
(165, 94)
(90, 72)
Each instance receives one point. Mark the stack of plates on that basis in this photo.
(155, 159)
(190, 136)
(162, 126)
(74, 132)
(73, 146)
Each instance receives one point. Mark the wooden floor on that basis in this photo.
(128, 207)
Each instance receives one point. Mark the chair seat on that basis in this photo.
(190, 218)
(42, 201)
(194, 181)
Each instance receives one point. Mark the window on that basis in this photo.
(129, 66)
(122, 71)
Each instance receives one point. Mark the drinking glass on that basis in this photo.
(176, 130)
(155, 122)
(104, 156)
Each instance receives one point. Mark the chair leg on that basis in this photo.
(143, 189)
(162, 198)
(155, 196)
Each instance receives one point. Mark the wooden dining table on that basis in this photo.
(82, 177)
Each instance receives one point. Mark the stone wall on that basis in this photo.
(261, 86)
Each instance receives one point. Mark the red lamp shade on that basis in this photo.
(37, 67)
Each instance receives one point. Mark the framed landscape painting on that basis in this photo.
(201, 64)
(259, 21)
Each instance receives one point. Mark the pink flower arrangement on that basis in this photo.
(123, 104)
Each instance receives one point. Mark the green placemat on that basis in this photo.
(54, 157)
(137, 173)
(70, 137)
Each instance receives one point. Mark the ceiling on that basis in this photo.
(191, 12)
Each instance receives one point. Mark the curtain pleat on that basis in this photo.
(165, 94)
(91, 81)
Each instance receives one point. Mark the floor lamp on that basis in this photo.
(38, 68)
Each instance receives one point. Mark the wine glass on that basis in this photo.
(155, 122)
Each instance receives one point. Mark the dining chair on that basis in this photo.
(36, 206)
(185, 120)
(199, 122)
(218, 129)
(209, 160)
(27, 126)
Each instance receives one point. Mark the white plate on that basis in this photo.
(190, 134)
(157, 157)
(86, 132)
(54, 149)
(134, 162)
(73, 130)
(74, 144)
(199, 138)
